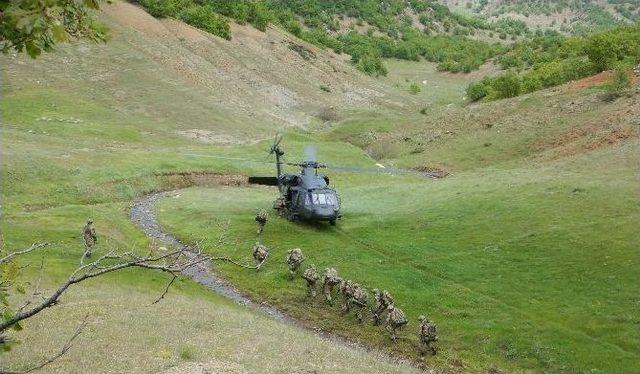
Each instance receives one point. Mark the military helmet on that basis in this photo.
(90, 221)
(422, 318)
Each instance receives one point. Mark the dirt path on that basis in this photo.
(142, 215)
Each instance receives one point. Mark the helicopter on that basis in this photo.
(304, 196)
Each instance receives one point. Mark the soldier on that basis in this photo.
(359, 300)
(331, 279)
(90, 238)
(261, 219)
(260, 254)
(428, 335)
(346, 289)
(311, 276)
(294, 260)
(383, 300)
(395, 320)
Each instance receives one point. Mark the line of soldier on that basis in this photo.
(353, 294)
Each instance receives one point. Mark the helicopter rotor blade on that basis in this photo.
(385, 170)
(265, 181)
(226, 158)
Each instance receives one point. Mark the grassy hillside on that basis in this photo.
(524, 255)
(89, 127)
(515, 255)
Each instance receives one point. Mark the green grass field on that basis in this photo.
(522, 269)
(525, 255)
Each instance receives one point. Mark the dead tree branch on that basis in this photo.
(33, 247)
(171, 263)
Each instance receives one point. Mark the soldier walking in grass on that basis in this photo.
(359, 300)
(383, 300)
(311, 276)
(428, 335)
(395, 320)
(331, 279)
(260, 254)
(261, 219)
(90, 238)
(346, 289)
(294, 260)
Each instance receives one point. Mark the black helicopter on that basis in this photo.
(305, 196)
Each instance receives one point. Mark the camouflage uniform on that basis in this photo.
(90, 238)
(428, 335)
(395, 320)
(383, 300)
(260, 253)
(331, 279)
(347, 289)
(294, 260)
(359, 300)
(261, 219)
(311, 276)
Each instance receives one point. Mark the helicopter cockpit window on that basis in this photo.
(323, 199)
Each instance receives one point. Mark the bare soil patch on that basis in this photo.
(202, 178)
(211, 137)
(583, 83)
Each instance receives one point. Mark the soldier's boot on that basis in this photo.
(359, 315)
(376, 318)
(327, 294)
(432, 348)
(422, 349)
(392, 332)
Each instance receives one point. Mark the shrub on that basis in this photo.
(204, 17)
(620, 81)
(531, 83)
(504, 86)
(477, 90)
(371, 65)
(414, 88)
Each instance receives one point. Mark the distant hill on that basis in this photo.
(567, 16)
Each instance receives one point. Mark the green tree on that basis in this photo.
(35, 26)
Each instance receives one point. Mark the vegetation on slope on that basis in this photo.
(550, 61)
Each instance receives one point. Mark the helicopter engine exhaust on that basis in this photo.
(310, 153)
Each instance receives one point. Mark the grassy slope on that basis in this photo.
(87, 128)
(56, 172)
(525, 256)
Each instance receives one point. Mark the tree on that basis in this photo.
(35, 26)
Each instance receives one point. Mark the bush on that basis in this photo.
(371, 65)
(531, 83)
(504, 86)
(204, 17)
(620, 81)
(477, 90)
